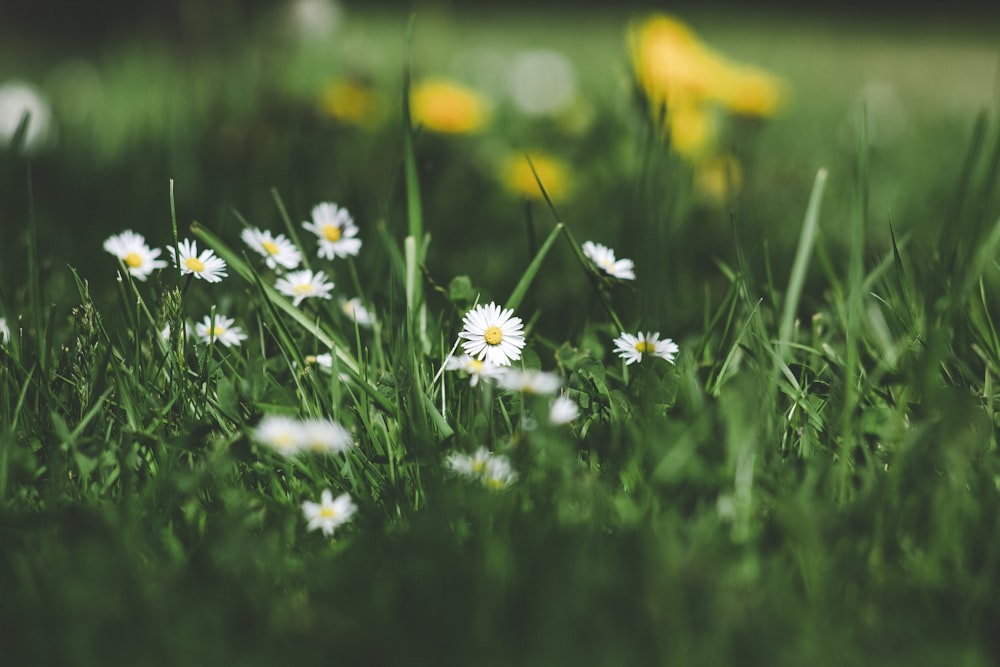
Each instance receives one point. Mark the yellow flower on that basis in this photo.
(519, 179)
(352, 102)
(692, 130)
(752, 91)
(444, 106)
(718, 178)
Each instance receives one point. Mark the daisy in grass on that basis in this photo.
(276, 250)
(282, 434)
(355, 310)
(604, 258)
(329, 512)
(220, 330)
(491, 333)
(633, 349)
(563, 410)
(335, 229)
(476, 369)
(325, 436)
(530, 381)
(131, 249)
(493, 470)
(304, 284)
(206, 266)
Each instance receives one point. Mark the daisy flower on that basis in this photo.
(476, 370)
(563, 410)
(276, 250)
(304, 284)
(499, 474)
(206, 266)
(632, 348)
(355, 310)
(471, 466)
(604, 258)
(220, 330)
(329, 512)
(491, 333)
(325, 436)
(335, 229)
(530, 381)
(131, 249)
(282, 434)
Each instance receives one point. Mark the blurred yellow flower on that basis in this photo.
(673, 67)
(447, 107)
(553, 173)
(718, 178)
(352, 102)
(692, 130)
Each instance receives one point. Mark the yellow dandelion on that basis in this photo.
(752, 91)
(443, 106)
(352, 102)
(520, 180)
(692, 130)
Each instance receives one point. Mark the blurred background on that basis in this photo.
(234, 100)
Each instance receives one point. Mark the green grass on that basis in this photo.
(814, 481)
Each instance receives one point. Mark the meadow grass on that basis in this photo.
(811, 479)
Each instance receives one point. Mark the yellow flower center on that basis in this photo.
(270, 247)
(303, 288)
(332, 233)
(218, 331)
(194, 264)
(133, 259)
(476, 365)
(327, 512)
(494, 483)
(478, 467)
(493, 335)
(645, 347)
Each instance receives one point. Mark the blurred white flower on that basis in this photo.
(4, 331)
(280, 433)
(325, 436)
(563, 410)
(493, 470)
(604, 258)
(316, 19)
(356, 310)
(542, 81)
(530, 381)
(329, 512)
(476, 369)
(18, 98)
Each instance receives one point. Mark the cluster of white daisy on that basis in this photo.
(494, 471)
(289, 436)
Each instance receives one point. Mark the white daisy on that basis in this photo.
(563, 410)
(4, 331)
(471, 466)
(474, 368)
(276, 250)
(604, 258)
(280, 433)
(325, 436)
(220, 330)
(499, 474)
(329, 512)
(530, 381)
(355, 310)
(304, 284)
(131, 249)
(491, 333)
(335, 229)
(206, 266)
(632, 348)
